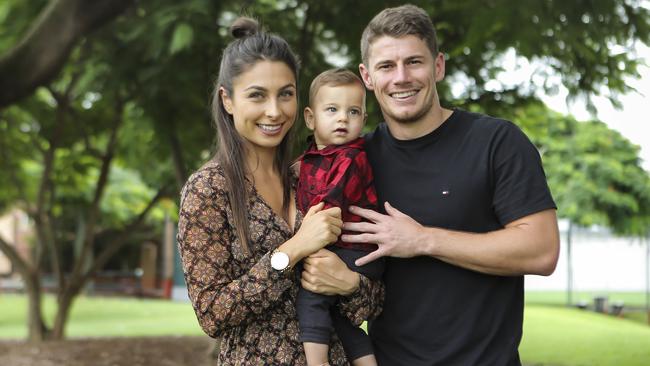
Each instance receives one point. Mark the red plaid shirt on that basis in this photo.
(340, 176)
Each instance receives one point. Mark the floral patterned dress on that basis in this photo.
(240, 299)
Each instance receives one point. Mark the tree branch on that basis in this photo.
(118, 243)
(42, 218)
(13, 168)
(21, 265)
(177, 156)
(100, 188)
(39, 56)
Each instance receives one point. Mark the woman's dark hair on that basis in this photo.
(250, 46)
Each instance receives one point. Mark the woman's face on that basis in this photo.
(263, 104)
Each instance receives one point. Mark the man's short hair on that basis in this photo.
(333, 77)
(398, 22)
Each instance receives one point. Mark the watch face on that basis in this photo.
(279, 261)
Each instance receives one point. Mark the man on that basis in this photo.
(467, 210)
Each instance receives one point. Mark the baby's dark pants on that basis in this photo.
(318, 315)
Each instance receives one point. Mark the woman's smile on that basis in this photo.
(263, 104)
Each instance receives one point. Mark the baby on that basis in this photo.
(335, 170)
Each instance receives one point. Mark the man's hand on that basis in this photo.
(396, 234)
(325, 273)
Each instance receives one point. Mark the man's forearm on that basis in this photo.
(526, 246)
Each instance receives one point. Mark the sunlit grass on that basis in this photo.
(565, 336)
(97, 316)
(630, 299)
(553, 334)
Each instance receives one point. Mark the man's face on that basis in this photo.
(403, 74)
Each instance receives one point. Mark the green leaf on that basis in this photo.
(182, 38)
(4, 11)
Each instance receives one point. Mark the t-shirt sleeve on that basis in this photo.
(520, 187)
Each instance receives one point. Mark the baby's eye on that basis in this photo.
(330, 109)
(355, 112)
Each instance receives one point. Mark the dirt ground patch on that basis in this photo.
(145, 351)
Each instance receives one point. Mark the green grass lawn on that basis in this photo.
(553, 335)
(631, 299)
(634, 302)
(563, 336)
(98, 316)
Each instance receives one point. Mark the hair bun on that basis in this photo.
(244, 27)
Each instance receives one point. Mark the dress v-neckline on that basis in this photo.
(277, 216)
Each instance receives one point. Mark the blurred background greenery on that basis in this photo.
(104, 113)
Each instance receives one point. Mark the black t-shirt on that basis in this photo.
(474, 173)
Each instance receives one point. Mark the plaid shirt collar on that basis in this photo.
(332, 149)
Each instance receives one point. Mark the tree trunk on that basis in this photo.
(36, 329)
(569, 272)
(100, 187)
(78, 281)
(177, 156)
(39, 56)
(66, 298)
(77, 278)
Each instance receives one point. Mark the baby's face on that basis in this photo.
(338, 114)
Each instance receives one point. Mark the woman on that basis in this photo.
(239, 231)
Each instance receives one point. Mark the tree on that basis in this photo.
(588, 44)
(594, 173)
(60, 146)
(37, 58)
(128, 92)
(62, 189)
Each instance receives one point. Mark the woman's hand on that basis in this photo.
(319, 228)
(325, 273)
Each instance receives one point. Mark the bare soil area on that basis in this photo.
(144, 351)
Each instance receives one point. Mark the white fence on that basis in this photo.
(601, 262)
